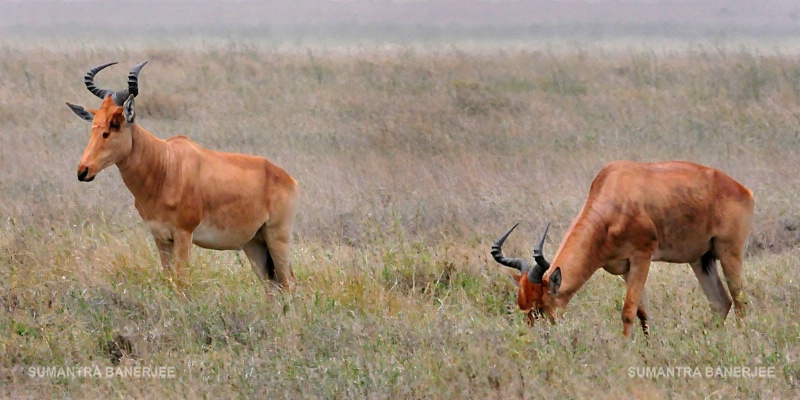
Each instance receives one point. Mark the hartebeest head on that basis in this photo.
(110, 141)
(533, 293)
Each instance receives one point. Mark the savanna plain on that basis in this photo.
(411, 161)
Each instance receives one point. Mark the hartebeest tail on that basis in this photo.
(635, 213)
(187, 194)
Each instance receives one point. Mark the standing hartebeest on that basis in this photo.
(635, 213)
(187, 194)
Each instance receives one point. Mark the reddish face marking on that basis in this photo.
(530, 298)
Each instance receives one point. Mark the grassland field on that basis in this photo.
(411, 162)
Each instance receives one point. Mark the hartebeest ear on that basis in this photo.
(127, 109)
(555, 281)
(82, 112)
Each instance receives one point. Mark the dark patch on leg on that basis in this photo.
(708, 261)
(271, 274)
(643, 321)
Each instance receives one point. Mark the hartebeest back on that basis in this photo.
(187, 194)
(635, 213)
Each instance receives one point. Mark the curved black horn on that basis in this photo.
(89, 79)
(537, 272)
(537, 252)
(133, 85)
(133, 79)
(497, 252)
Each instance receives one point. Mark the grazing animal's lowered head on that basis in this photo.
(110, 140)
(532, 295)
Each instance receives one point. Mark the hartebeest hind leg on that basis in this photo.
(730, 257)
(280, 270)
(258, 254)
(712, 286)
(269, 258)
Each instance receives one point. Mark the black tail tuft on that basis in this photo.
(708, 261)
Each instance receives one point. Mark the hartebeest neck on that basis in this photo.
(145, 168)
(580, 256)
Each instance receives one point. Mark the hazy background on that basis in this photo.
(313, 22)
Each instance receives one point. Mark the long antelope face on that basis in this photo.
(111, 139)
(533, 297)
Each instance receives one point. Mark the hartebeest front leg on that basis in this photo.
(635, 279)
(165, 252)
(641, 312)
(182, 242)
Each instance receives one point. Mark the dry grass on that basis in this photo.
(410, 162)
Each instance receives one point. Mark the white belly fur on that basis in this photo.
(212, 237)
(206, 235)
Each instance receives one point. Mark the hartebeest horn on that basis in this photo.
(119, 97)
(538, 255)
(497, 252)
(89, 79)
(133, 80)
(542, 265)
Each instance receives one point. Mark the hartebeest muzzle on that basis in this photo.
(82, 175)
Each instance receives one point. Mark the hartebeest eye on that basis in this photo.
(114, 126)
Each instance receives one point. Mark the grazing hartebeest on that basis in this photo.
(676, 212)
(187, 194)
